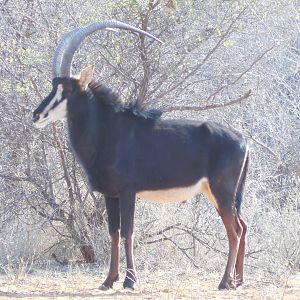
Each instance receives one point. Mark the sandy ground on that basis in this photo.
(179, 287)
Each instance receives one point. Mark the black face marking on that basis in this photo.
(44, 103)
(53, 107)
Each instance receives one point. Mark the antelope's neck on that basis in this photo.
(84, 130)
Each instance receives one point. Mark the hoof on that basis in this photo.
(227, 285)
(128, 289)
(108, 283)
(128, 284)
(130, 279)
(239, 282)
(103, 287)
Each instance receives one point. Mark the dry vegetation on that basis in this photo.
(214, 53)
(82, 284)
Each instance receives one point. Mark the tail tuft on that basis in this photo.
(241, 184)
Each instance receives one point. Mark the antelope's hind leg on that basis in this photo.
(234, 231)
(239, 266)
(222, 195)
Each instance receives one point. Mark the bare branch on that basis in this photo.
(168, 228)
(184, 252)
(264, 146)
(209, 106)
(205, 59)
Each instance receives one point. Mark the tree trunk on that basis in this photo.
(88, 253)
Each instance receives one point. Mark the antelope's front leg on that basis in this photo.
(127, 205)
(113, 215)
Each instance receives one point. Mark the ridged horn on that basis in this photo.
(70, 41)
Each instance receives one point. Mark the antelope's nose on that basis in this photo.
(35, 118)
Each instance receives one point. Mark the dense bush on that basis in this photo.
(214, 53)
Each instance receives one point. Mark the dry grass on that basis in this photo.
(156, 286)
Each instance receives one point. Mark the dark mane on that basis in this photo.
(108, 97)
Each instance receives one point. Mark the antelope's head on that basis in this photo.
(54, 106)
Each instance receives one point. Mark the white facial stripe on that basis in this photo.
(59, 111)
(51, 113)
(57, 97)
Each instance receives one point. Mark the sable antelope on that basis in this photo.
(127, 153)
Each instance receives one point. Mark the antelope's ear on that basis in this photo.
(85, 76)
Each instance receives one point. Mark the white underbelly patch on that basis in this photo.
(179, 194)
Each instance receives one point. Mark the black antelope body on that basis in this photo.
(129, 153)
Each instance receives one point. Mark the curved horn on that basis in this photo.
(70, 42)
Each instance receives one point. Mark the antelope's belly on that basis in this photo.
(174, 194)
